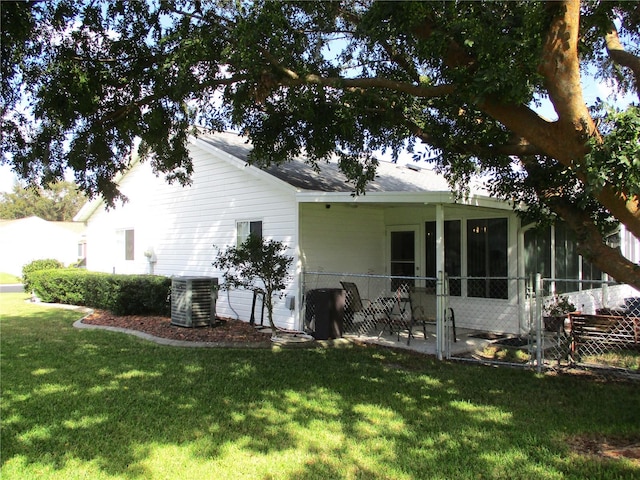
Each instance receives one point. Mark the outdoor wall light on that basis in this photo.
(150, 254)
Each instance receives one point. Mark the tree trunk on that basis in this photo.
(269, 300)
(565, 139)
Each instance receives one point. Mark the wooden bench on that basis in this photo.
(605, 330)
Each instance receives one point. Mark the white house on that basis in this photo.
(408, 223)
(32, 238)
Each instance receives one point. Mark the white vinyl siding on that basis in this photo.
(342, 238)
(184, 226)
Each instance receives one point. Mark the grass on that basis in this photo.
(504, 354)
(7, 278)
(627, 359)
(103, 405)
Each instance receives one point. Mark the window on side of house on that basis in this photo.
(487, 258)
(566, 259)
(126, 244)
(245, 228)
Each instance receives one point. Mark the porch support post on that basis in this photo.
(440, 337)
(538, 322)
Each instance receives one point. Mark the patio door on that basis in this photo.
(403, 255)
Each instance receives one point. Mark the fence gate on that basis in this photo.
(493, 321)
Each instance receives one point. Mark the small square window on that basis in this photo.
(246, 228)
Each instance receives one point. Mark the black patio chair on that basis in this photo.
(368, 311)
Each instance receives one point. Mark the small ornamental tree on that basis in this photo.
(258, 265)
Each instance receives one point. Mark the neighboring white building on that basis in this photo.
(27, 239)
(171, 230)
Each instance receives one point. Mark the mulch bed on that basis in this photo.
(610, 448)
(226, 331)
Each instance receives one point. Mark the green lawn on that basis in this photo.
(102, 405)
(7, 278)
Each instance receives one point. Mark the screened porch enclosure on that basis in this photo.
(490, 262)
(409, 244)
(381, 300)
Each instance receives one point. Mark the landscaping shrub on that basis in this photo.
(58, 286)
(120, 294)
(36, 265)
(142, 294)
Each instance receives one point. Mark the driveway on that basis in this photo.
(12, 288)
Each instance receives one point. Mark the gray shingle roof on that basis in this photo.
(390, 177)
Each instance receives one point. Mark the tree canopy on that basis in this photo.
(455, 82)
(59, 202)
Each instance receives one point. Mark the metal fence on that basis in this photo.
(602, 330)
(410, 312)
(505, 321)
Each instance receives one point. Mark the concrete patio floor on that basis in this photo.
(466, 341)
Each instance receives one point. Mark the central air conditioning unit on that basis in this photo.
(193, 301)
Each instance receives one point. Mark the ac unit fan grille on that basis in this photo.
(192, 301)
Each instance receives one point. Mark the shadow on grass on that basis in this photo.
(122, 407)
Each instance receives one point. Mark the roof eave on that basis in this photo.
(425, 198)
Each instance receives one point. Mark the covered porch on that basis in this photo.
(375, 238)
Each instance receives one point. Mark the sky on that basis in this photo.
(7, 178)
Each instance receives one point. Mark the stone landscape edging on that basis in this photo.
(186, 343)
(168, 341)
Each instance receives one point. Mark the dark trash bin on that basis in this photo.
(325, 312)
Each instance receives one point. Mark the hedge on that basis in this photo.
(36, 265)
(119, 294)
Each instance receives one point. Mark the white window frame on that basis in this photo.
(244, 227)
(123, 238)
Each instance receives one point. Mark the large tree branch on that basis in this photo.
(524, 122)
(519, 147)
(291, 78)
(591, 243)
(551, 138)
(421, 91)
(565, 140)
(619, 55)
